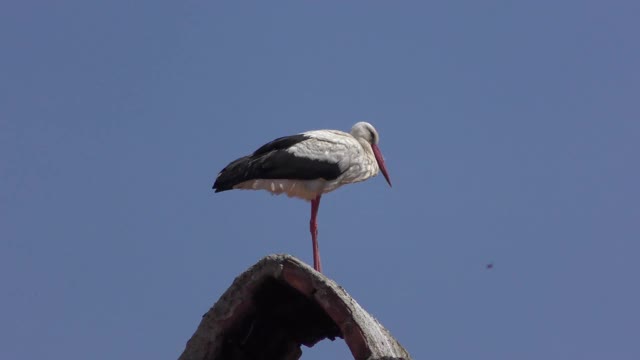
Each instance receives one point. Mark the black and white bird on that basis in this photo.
(308, 165)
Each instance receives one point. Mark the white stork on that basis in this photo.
(308, 165)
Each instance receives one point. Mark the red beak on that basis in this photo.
(380, 160)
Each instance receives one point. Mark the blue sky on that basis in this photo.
(511, 132)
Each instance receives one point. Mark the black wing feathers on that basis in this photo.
(273, 161)
(281, 164)
(232, 174)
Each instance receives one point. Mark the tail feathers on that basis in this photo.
(235, 173)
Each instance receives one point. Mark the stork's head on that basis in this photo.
(364, 130)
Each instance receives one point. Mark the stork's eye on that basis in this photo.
(372, 136)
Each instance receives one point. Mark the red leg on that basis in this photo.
(315, 204)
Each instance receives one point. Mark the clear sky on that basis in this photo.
(511, 132)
